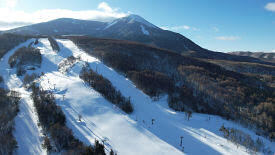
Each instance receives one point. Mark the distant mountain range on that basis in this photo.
(267, 56)
(133, 28)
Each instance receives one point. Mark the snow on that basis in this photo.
(27, 133)
(129, 134)
(126, 134)
(136, 18)
(110, 24)
(100, 119)
(144, 31)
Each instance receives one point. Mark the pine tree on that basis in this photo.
(47, 144)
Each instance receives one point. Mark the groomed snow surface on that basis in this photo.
(126, 134)
(27, 133)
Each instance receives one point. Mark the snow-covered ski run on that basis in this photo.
(27, 132)
(126, 134)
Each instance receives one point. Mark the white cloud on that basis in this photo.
(104, 6)
(184, 27)
(8, 25)
(228, 38)
(273, 51)
(270, 6)
(179, 28)
(11, 3)
(103, 13)
(164, 27)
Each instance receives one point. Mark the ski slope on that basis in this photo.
(100, 119)
(131, 133)
(27, 133)
(126, 134)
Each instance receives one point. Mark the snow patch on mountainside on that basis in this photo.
(136, 18)
(144, 31)
(110, 24)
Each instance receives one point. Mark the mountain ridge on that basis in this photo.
(132, 28)
(267, 56)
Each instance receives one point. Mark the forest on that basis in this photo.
(105, 87)
(25, 58)
(9, 103)
(9, 41)
(67, 63)
(240, 138)
(54, 44)
(58, 137)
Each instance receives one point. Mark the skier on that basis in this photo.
(181, 137)
(153, 120)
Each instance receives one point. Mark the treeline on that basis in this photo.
(28, 79)
(1, 79)
(54, 44)
(198, 85)
(9, 41)
(246, 67)
(58, 136)
(183, 99)
(105, 87)
(240, 138)
(25, 58)
(67, 63)
(151, 82)
(241, 96)
(9, 103)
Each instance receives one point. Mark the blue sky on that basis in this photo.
(222, 25)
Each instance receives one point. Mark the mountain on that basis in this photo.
(132, 28)
(67, 110)
(62, 26)
(260, 55)
(135, 28)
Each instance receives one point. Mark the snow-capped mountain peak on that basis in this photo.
(132, 18)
